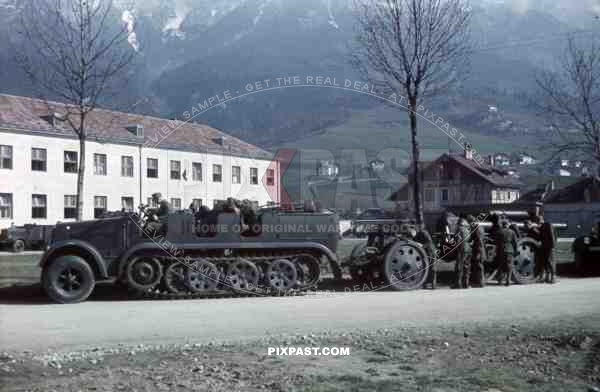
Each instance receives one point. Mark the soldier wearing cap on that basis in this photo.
(164, 207)
(478, 256)
(463, 259)
(506, 247)
(546, 250)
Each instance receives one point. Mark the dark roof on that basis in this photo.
(493, 175)
(577, 192)
(25, 114)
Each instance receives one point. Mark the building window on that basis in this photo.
(6, 206)
(176, 203)
(99, 206)
(152, 168)
(6, 157)
(253, 176)
(71, 162)
(217, 173)
(38, 206)
(38, 159)
(270, 177)
(70, 210)
(197, 203)
(175, 170)
(152, 203)
(236, 175)
(429, 195)
(444, 196)
(127, 203)
(100, 164)
(196, 171)
(126, 166)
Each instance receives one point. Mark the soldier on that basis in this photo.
(548, 243)
(506, 247)
(423, 237)
(533, 231)
(463, 258)
(164, 207)
(478, 256)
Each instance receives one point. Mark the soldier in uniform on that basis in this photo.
(478, 256)
(548, 243)
(533, 231)
(423, 237)
(506, 247)
(463, 259)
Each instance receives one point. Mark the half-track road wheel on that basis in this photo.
(144, 273)
(405, 266)
(68, 279)
(243, 276)
(281, 275)
(175, 279)
(308, 269)
(202, 276)
(524, 261)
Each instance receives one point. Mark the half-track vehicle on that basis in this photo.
(233, 249)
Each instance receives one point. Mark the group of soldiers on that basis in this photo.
(469, 243)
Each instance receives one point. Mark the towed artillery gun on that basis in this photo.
(389, 257)
(233, 249)
(523, 271)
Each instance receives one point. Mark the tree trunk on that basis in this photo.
(80, 176)
(415, 162)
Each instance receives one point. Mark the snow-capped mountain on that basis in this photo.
(190, 50)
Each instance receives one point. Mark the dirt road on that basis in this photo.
(105, 323)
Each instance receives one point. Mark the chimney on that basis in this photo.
(491, 160)
(468, 151)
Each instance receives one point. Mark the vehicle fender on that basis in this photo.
(96, 260)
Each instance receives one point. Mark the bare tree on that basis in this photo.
(74, 52)
(415, 49)
(571, 100)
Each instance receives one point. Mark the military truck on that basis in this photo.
(20, 238)
(233, 249)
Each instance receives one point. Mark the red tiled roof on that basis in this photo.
(26, 114)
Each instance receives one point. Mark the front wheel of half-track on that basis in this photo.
(68, 279)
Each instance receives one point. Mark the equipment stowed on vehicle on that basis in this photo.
(233, 249)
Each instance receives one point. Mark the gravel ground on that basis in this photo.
(558, 355)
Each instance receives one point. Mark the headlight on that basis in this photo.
(587, 240)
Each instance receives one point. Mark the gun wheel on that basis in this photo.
(405, 266)
(524, 261)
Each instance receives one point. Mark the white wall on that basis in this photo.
(22, 182)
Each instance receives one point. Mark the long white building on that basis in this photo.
(128, 157)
